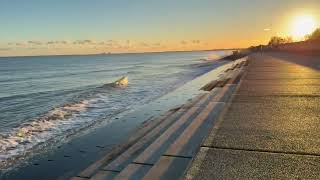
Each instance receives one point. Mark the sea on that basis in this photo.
(46, 98)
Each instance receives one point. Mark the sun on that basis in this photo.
(302, 25)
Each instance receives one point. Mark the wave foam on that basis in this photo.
(28, 135)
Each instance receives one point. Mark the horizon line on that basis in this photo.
(109, 53)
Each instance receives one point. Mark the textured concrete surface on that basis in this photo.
(190, 140)
(104, 175)
(241, 164)
(168, 168)
(126, 157)
(133, 172)
(152, 153)
(288, 124)
(271, 128)
(263, 90)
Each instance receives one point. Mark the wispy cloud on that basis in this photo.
(35, 42)
(196, 41)
(156, 44)
(266, 29)
(17, 44)
(184, 42)
(96, 46)
(5, 49)
(57, 42)
(20, 44)
(144, 44)
(83, 42)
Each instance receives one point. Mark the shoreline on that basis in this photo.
(129, 53)
(149, 125)
(34, 159)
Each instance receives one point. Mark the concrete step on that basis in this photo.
(176, 146)
(104, 175)
(113, 168)
(133, 172)
(190, 140)
(160, 145)
(155, 150)
(126, 157)
(168, 168)
(140, 133)
(220, 82)
(175, 160)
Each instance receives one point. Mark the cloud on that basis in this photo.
(196, 41)
(57, 42)
(38, 43)
(114, 44)
(109, 45)
(88, 41)
(64, 42)
(32, 48)
(266, 29)
(184, 42)
(35, 42)
(144, 44)
(5, 49)
(51, 42)
(83, 42)
(20, 44)
(156, 44)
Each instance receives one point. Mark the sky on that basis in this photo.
(51, 27)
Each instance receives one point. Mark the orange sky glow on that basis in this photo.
(191, 26)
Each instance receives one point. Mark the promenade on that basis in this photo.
(260, 120)
(270, 129)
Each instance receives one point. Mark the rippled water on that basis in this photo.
(42, 98)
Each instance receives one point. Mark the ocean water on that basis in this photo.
(45, 98)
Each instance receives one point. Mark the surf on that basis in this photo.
(51, 124)
(28, 135)
(122, 82)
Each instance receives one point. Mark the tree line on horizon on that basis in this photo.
(275, 41)
(278, 40)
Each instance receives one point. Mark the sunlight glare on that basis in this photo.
(302, 26)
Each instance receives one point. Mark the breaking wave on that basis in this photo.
(28, 135)
(60, 121)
